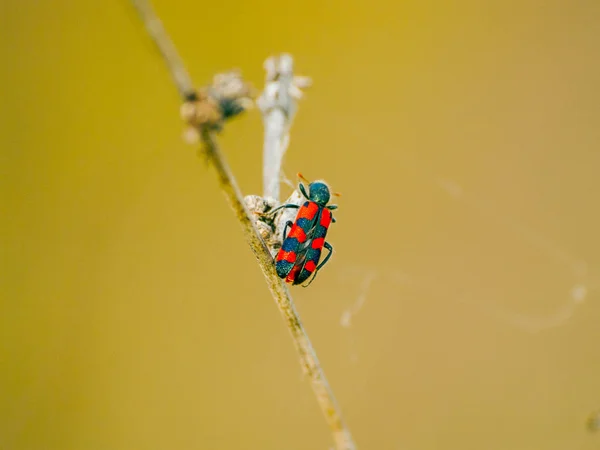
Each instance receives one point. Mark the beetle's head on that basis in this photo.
(318, 192)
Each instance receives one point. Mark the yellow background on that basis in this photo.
(464, 139)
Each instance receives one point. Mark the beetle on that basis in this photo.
(301, 249)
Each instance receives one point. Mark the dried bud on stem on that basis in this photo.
(210, 106)
(271, 226)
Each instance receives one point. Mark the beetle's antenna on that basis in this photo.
(336, 194)
(299, 175)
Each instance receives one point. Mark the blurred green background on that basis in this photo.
(461, 308)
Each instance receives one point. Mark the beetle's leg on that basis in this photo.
(333, 219)
(288, 205)
(311, 280)
(331, 207)
(328, 247)
(288, 224)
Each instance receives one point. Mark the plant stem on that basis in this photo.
(165, 46)
(308, 357)
(275, 146)
(278, 107)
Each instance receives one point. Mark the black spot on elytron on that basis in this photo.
(304, 223)
(283, 268)
(290, 244)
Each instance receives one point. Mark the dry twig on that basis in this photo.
(199, 111)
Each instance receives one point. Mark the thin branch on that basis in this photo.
(167, 49)
(308, 357)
